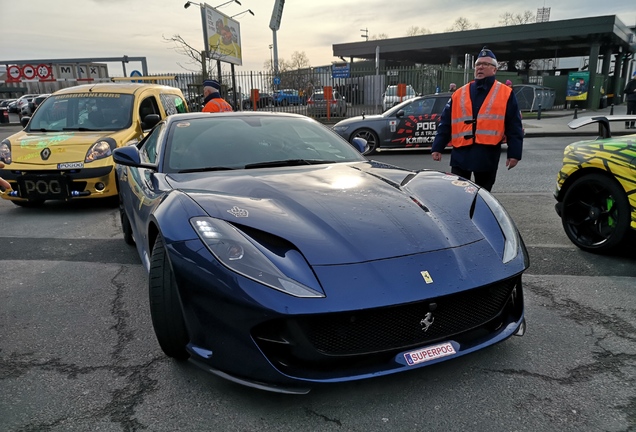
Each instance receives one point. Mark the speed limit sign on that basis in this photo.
(28, 72)
(43, 71)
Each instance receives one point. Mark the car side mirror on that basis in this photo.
(129, 156)
(150, 121)
(399, 114)
(360, 144)
(24, 120)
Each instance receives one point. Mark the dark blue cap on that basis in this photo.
(212, 83)
(485, 52)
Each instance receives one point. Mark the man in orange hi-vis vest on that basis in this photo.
(475, 121)
(213, 102)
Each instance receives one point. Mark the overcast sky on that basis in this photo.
(54, 29)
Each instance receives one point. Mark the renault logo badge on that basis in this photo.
(46, 153)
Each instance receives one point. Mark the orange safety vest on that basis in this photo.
(490, 120)
(217, 105)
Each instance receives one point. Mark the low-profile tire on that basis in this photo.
(596, 213)
(371, 137)
(165, 305)
(29, 204)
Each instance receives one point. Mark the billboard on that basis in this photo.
(222, 36)
(578, 83)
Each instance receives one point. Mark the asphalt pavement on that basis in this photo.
(549, 123)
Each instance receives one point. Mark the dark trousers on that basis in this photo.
(485, 179)
(631, 109)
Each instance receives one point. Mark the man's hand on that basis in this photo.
(437, 156)
(3, 183)
(511, 163)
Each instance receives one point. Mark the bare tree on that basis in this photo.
(510, 18)
(379, 36)
(462, 24)
(294, 73)
(197, 61)
(416, 31)
(299, 60)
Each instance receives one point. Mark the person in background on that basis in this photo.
(3, 183)
(452, 87)
(213, 102)
(630, 95)
(475, 121)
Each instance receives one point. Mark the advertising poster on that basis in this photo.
(578, 83)
(222, 36)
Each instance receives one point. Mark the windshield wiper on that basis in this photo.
(44, 130)
(288, 162)
(81, 129)
(216, 168)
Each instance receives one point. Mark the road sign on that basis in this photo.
(43, 71)
(14, 72)
(136, 73)
(340, 71)
(276, 80)
(28, 72)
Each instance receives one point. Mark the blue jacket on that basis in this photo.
(477, 157)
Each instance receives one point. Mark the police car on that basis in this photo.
(409, 125)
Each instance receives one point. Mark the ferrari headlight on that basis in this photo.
(99, 150)
(5, 152)
(511, 235)
(238, 254)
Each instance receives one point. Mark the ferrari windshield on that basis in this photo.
(83, 111)
(250, 142)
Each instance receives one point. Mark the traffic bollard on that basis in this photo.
(576, 114)
(539, 113)
(612, 109)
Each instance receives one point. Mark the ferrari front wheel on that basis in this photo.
(596, 213)
(165, 305)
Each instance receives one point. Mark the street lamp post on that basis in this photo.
(187, 5)
(244, 12)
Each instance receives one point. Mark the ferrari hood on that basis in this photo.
(341, 213)
(67, 146)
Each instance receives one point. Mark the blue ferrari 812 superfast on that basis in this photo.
(281, 258)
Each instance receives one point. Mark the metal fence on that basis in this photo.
(362, 87)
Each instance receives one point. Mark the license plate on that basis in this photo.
(433, 352)
(70, 165)
(49, 187)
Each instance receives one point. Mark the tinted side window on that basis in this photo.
(148, 106)
(172, 103)
(150, 148)
(440, 103)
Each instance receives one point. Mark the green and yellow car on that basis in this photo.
(596, 188)
(65, 149)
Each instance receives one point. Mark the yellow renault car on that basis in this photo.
(65, 149)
